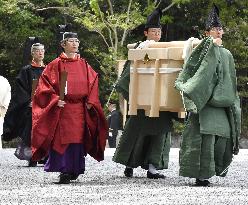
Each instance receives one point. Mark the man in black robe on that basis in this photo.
(18, 119)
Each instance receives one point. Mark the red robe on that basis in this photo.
(54, 127)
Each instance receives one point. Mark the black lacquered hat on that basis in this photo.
(213, 18)
(153, 20)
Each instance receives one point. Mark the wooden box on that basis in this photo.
(152, 76)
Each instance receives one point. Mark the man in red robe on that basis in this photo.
(68, 129)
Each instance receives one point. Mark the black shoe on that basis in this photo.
(32, 163)
(199, 182)
(64, 178)
(155, 176)
(128, 172)
(74, 176)
(43, 161)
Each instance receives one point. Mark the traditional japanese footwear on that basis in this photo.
(128, 172)
(74, 176)
(32, 163)
(64, 178)
(199, 182)
(43, 161)
(155, 176)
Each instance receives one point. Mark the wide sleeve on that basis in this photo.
(96, 123)
(198, 77)
(122, 85)
(5, 95)
(20, 99)
(45, 112)
(23, 87)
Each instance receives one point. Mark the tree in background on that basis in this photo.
(20, 19)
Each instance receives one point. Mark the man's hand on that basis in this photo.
(89, 106)
(2, 108)
(217, 41)
(61, 103)
(30, 104)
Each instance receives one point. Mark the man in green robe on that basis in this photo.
(145, 141)
(209, 88)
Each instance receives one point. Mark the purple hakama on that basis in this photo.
(72, 161)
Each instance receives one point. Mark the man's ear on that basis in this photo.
(63, 45)
(145, 33)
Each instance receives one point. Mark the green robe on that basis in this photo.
(145, 140)
(209, 88)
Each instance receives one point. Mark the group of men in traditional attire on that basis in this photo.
(67, 120)
(209, 90)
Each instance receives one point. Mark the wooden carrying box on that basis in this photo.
(152, 76)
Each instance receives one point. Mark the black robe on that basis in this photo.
(18, 119)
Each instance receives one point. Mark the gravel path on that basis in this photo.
(103, 183)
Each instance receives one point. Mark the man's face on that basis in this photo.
(71, 45)
(111, 107)
(38, 54)
(215, 32)
(153, 34)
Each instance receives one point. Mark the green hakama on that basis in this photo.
(145, 141)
